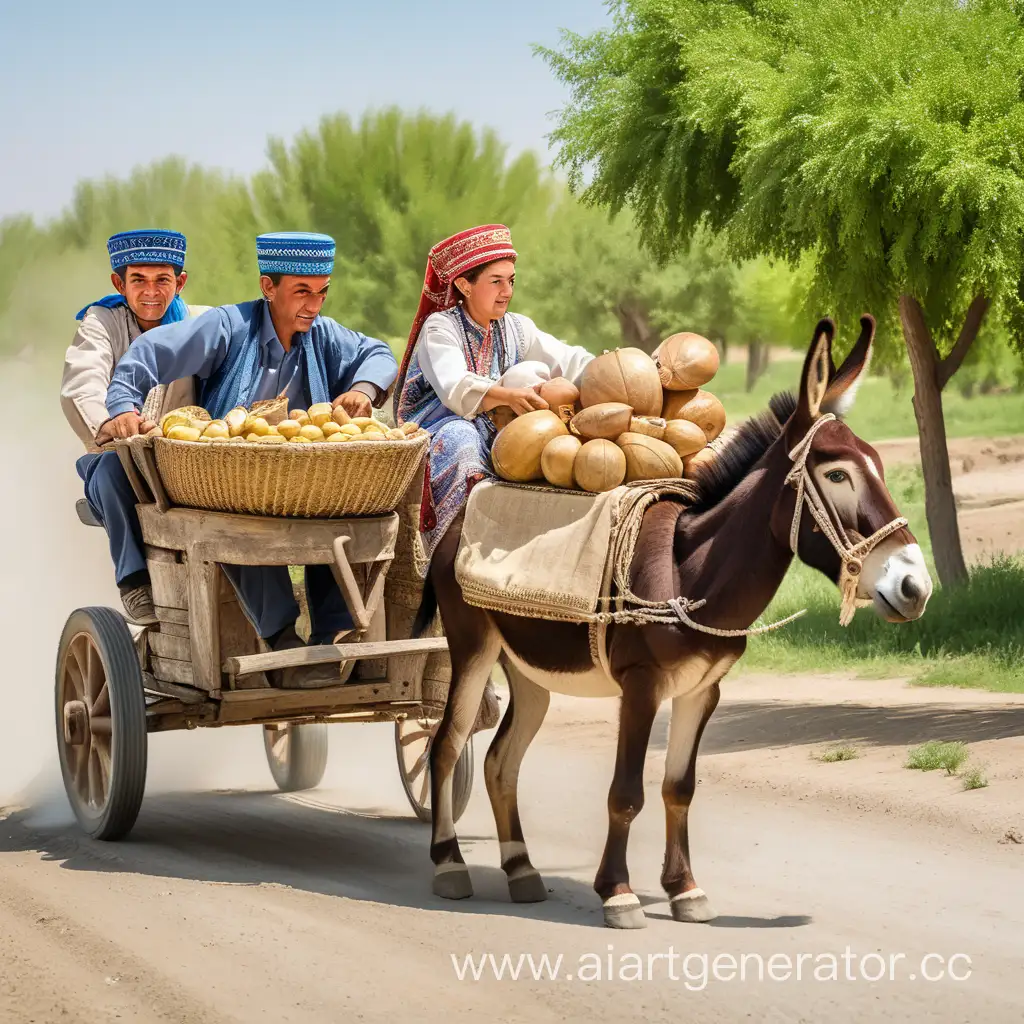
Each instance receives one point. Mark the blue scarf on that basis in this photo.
(176, 311)
(234, 383)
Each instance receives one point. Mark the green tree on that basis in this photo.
(387, 188)
(880, 139)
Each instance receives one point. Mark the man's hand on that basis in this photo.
(355, 403)
(125, 425)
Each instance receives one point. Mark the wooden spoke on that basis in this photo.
(425, 788)
(420, 734)
(101, 706)
(95, 780)
(421, 763)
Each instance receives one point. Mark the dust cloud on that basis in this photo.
(52, 565)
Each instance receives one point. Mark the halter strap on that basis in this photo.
(850, 554)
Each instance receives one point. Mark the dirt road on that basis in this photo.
(239, 904)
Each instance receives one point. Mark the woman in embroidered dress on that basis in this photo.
(467, 354)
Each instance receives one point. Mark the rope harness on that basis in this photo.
(677, 609)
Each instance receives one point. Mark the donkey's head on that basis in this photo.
(838, 516)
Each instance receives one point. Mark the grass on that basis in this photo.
(931, 756)
(882, 411)
(973, 777)
(835, 754)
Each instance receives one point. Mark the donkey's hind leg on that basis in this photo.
(527, 706)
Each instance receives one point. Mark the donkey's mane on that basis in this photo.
(737, 455)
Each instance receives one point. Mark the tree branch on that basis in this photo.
(968, 332)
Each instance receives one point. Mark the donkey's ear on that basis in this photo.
(815, 379)
(842, 389)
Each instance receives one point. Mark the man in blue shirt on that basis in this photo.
(277, 345)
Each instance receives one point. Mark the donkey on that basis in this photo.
(795, 480)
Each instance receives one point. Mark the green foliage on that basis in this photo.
(933, 755)
(973, 777)
(836, 754)
(387, 187)
(878, 139)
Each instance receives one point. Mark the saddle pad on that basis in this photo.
(535, 551)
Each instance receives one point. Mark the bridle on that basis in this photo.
(851, 555)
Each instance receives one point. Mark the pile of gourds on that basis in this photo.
(633, 417)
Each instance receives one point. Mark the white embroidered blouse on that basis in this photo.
(443, 362)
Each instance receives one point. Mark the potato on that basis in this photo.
(256, 425)
(320, 413)
(272, 439)
(340, 416)
(289, 428)
(236, 421)
(338, 436)
(180, 432)
(300, 416)
(216, 428)
(395, 434)
(351, 430)
(311, 432)
(409, 428)
(330, 428)
(299, 439)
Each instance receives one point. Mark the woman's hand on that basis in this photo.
(519, 400)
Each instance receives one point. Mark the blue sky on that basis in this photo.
(88, 89)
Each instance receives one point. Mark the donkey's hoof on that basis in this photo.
(624, 911)
(527, 888)
(692, 907)
(452, 882)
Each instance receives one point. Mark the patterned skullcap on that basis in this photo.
(147, 245)
(295, 252)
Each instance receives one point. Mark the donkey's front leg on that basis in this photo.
(527, 706)
(640, 701)
(474, 649)
(690, 713)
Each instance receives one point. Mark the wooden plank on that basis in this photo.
(153, 478)
(345, 578)
(163, 645)
(154, 554)
(265, 540)
(177, 616)
(326, 653)
(170, 582)
(248, 705)
(169, 628)
(184, 694)
(172, 671)
(138, 485)
(204, 622)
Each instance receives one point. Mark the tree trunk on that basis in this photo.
(931, 375)
(636, 327)
(757, 362)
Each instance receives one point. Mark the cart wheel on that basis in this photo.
(297, 754)
(413, 737)
(101, 722)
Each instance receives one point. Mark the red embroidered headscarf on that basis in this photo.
(447, 261)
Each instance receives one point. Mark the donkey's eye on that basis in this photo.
(837, 476)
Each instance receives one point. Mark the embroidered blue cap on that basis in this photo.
(149, 245)
(295, 252)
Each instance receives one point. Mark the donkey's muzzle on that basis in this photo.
(902, 589)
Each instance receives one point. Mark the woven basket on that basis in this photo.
(320, 481)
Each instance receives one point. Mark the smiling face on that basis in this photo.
(295, 302)
(488, 291)
(149, 289)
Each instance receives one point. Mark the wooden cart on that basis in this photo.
(201, 666)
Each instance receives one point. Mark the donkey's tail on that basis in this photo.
(426, 611)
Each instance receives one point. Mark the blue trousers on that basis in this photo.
(264, 592)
